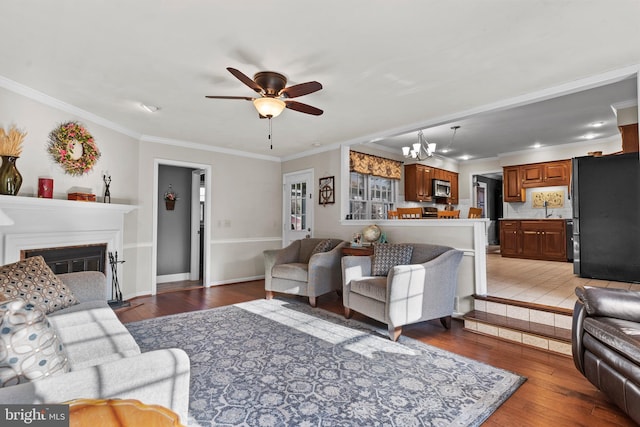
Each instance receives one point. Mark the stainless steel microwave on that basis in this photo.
(441, 188)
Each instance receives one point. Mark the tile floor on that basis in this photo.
(549, 283)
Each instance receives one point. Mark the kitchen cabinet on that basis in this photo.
(547, 174)
(517, 178)
(534, 239)
(417, 183)
(509, 238)
(454, 188)
(512, 183)
(629, 135)
(532, 175)
(557, 173)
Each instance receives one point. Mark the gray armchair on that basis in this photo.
(420, 290)
(304, 268)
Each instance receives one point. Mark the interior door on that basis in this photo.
(297, 206)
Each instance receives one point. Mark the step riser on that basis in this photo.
(527, 314)
(530, 340)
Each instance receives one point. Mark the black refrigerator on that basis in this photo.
(606, 217)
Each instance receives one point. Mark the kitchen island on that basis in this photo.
(535, 238)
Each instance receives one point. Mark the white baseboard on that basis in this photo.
(236, 280)
(172, 277)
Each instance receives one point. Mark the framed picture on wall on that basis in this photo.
(326, 193)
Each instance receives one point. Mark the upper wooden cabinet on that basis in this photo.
(532, 175)
(418, 186)
(547, 174)
(512, 183)
(417, 183)
(557, 173)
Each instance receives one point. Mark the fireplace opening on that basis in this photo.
(70, 259)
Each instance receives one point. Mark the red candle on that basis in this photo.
(45, 188)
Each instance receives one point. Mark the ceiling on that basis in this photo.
(387, 67)
(573, 118)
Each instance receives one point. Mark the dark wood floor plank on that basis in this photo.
(555, 393)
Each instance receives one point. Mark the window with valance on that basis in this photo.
(372, 186)
(369, 164)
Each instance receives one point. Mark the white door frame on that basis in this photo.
(286, 214)
(206, 279)
(194, 273)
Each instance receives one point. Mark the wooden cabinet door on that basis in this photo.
(425, 187)
(553, 243)
(454, 187)
(509, 238)
(512, 191)
(530, 233)
(557, 173)
(532, 175)
(417, 183)
(411, 183)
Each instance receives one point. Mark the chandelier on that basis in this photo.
(421, 149)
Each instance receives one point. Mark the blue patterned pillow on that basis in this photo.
(387, 255)
(29, 346)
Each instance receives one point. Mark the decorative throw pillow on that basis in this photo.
(322, 246)
(33, 281)
(387, 255)
(29, 347)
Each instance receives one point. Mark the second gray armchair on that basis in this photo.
(307, 267)
(397, 291)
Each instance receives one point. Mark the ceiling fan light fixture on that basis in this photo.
(269, 107)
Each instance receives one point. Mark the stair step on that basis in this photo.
(560, 334)
(534, 325)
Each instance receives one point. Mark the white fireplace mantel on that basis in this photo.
(56, 204)
(33, 223)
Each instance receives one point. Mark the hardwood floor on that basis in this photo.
(554, 394)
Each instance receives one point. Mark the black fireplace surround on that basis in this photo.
(69, 259)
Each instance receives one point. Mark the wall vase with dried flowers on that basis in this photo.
(10, 149)
(170, 198)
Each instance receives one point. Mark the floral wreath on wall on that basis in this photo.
(73, 147)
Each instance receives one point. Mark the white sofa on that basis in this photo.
(104, 359)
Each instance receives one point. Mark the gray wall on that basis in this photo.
(174, 227)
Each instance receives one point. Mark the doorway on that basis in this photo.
(180, 238)
(487, 194)
(297, 206)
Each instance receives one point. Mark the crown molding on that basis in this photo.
(204, 147)
(45, 99)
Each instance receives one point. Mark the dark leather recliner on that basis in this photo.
(606, 344)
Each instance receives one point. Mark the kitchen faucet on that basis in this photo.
(546, 215)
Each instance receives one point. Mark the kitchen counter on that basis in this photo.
(535, 238)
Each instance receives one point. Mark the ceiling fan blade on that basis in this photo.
(245, 79)
(301, 89)
(229, 97)
(303, 108)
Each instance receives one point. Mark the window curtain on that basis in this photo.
(373, 165)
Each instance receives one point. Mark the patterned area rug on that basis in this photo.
(283, 363)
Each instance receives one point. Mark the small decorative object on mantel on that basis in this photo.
(45, 188)
(107, 193)
(73, 147)
(170, 198)
(81, 197)
(326, 194)
(10, 150)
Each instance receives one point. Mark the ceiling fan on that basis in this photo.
(274, 94)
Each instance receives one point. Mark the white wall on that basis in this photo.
(246, 192)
